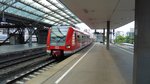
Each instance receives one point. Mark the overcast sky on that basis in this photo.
(124, 28)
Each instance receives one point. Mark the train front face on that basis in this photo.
(56, 41)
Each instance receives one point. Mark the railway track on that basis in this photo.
(24, 68)
(16, 67)
(10, 62)
(15, 72)
(31, 73)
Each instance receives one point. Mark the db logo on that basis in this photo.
(56, 47)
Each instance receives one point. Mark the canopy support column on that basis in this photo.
(108, 30)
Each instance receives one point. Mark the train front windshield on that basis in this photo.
(58, 35)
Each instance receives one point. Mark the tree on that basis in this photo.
(129, 39)
(120, 39)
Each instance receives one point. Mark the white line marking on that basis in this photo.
(58, 80)
(125, 50)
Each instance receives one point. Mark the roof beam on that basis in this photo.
(14, 26)
(62, 10)
(29, 12)
(43, 11)
(51, 10)
(11, 3)
(20, 20)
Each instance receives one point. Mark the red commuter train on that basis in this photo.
(66, 40)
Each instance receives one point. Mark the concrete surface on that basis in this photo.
(97, 67)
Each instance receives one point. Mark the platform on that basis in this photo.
(20, 47)
(93, 65)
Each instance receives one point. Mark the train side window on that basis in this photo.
(75, 35)
(79, 38)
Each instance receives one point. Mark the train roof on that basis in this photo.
(85, 31)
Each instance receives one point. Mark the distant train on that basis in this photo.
(66, 40)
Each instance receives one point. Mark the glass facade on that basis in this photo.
(47, 11)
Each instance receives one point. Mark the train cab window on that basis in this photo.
(58, 35)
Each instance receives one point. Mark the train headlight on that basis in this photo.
(68, 46)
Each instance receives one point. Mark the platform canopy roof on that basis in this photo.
(95, 13)
(42, 11)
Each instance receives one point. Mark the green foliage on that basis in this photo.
(120, 39)
(129, 39)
